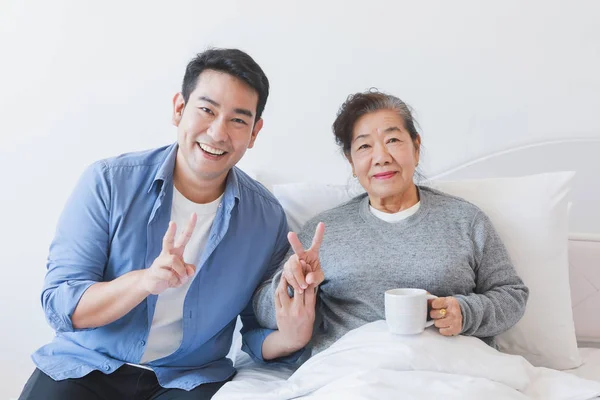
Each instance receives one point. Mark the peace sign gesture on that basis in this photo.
(177, 247)
(304, 267)
(169, 269)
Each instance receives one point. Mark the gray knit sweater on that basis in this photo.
(449, 248)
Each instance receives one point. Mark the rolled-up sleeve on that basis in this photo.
(253, 337)
(79, 251)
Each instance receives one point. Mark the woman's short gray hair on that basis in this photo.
(359, 104)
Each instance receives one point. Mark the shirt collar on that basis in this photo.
(165, 171)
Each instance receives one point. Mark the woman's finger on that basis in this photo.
(315, 277)
(296, 244)
(440, 302)
(438, 314)
(289, 274)
(451, 331)
(297, 270)
(443, 323)
(318, 238)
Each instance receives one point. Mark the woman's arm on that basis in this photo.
(500, 295)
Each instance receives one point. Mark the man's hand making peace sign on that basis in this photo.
(105, 302)
(169, 270)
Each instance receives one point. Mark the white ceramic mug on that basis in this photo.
(406, 310)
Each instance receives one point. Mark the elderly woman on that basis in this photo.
(397, 234)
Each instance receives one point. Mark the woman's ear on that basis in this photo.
(417, 143)
(349, 158)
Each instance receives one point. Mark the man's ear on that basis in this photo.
(178, 107)
(257, 127)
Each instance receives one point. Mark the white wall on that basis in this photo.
(85, 80)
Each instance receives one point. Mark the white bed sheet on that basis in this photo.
(247, 369)
(260, 380)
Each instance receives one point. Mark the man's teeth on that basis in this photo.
(211, 150)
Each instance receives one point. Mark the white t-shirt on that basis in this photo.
(166, 332)
(395, 217)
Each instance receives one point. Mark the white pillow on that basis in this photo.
(302, 201)
(530, 215)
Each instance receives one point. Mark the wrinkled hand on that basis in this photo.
(446, 313)
(295, 316)
(304, 267)
(168, 269)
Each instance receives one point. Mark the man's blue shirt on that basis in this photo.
(113, 224)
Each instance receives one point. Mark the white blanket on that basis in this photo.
(371, 363)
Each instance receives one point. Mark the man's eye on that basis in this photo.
(239, 121)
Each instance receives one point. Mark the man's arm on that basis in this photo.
(106, 302)
(74, 295)
(79, 251)
(293, 318)
(259, 325)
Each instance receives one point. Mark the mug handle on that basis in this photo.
(430, 296)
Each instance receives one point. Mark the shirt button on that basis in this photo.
(107, 367)
(143, 342)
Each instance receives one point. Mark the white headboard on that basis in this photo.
(582, 156)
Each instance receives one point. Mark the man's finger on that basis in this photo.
(190, 269)
(164, 274)
(169, 238)
(310, 296)
(298, 299)
(281, 292)
(174, 281)
(318, 238)
(179, 268)
(186, 235)
(277, 300)
(296, 244)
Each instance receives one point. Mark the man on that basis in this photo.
(156, 254)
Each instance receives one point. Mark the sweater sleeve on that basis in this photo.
(500, 296)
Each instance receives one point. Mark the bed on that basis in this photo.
(381, 379)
